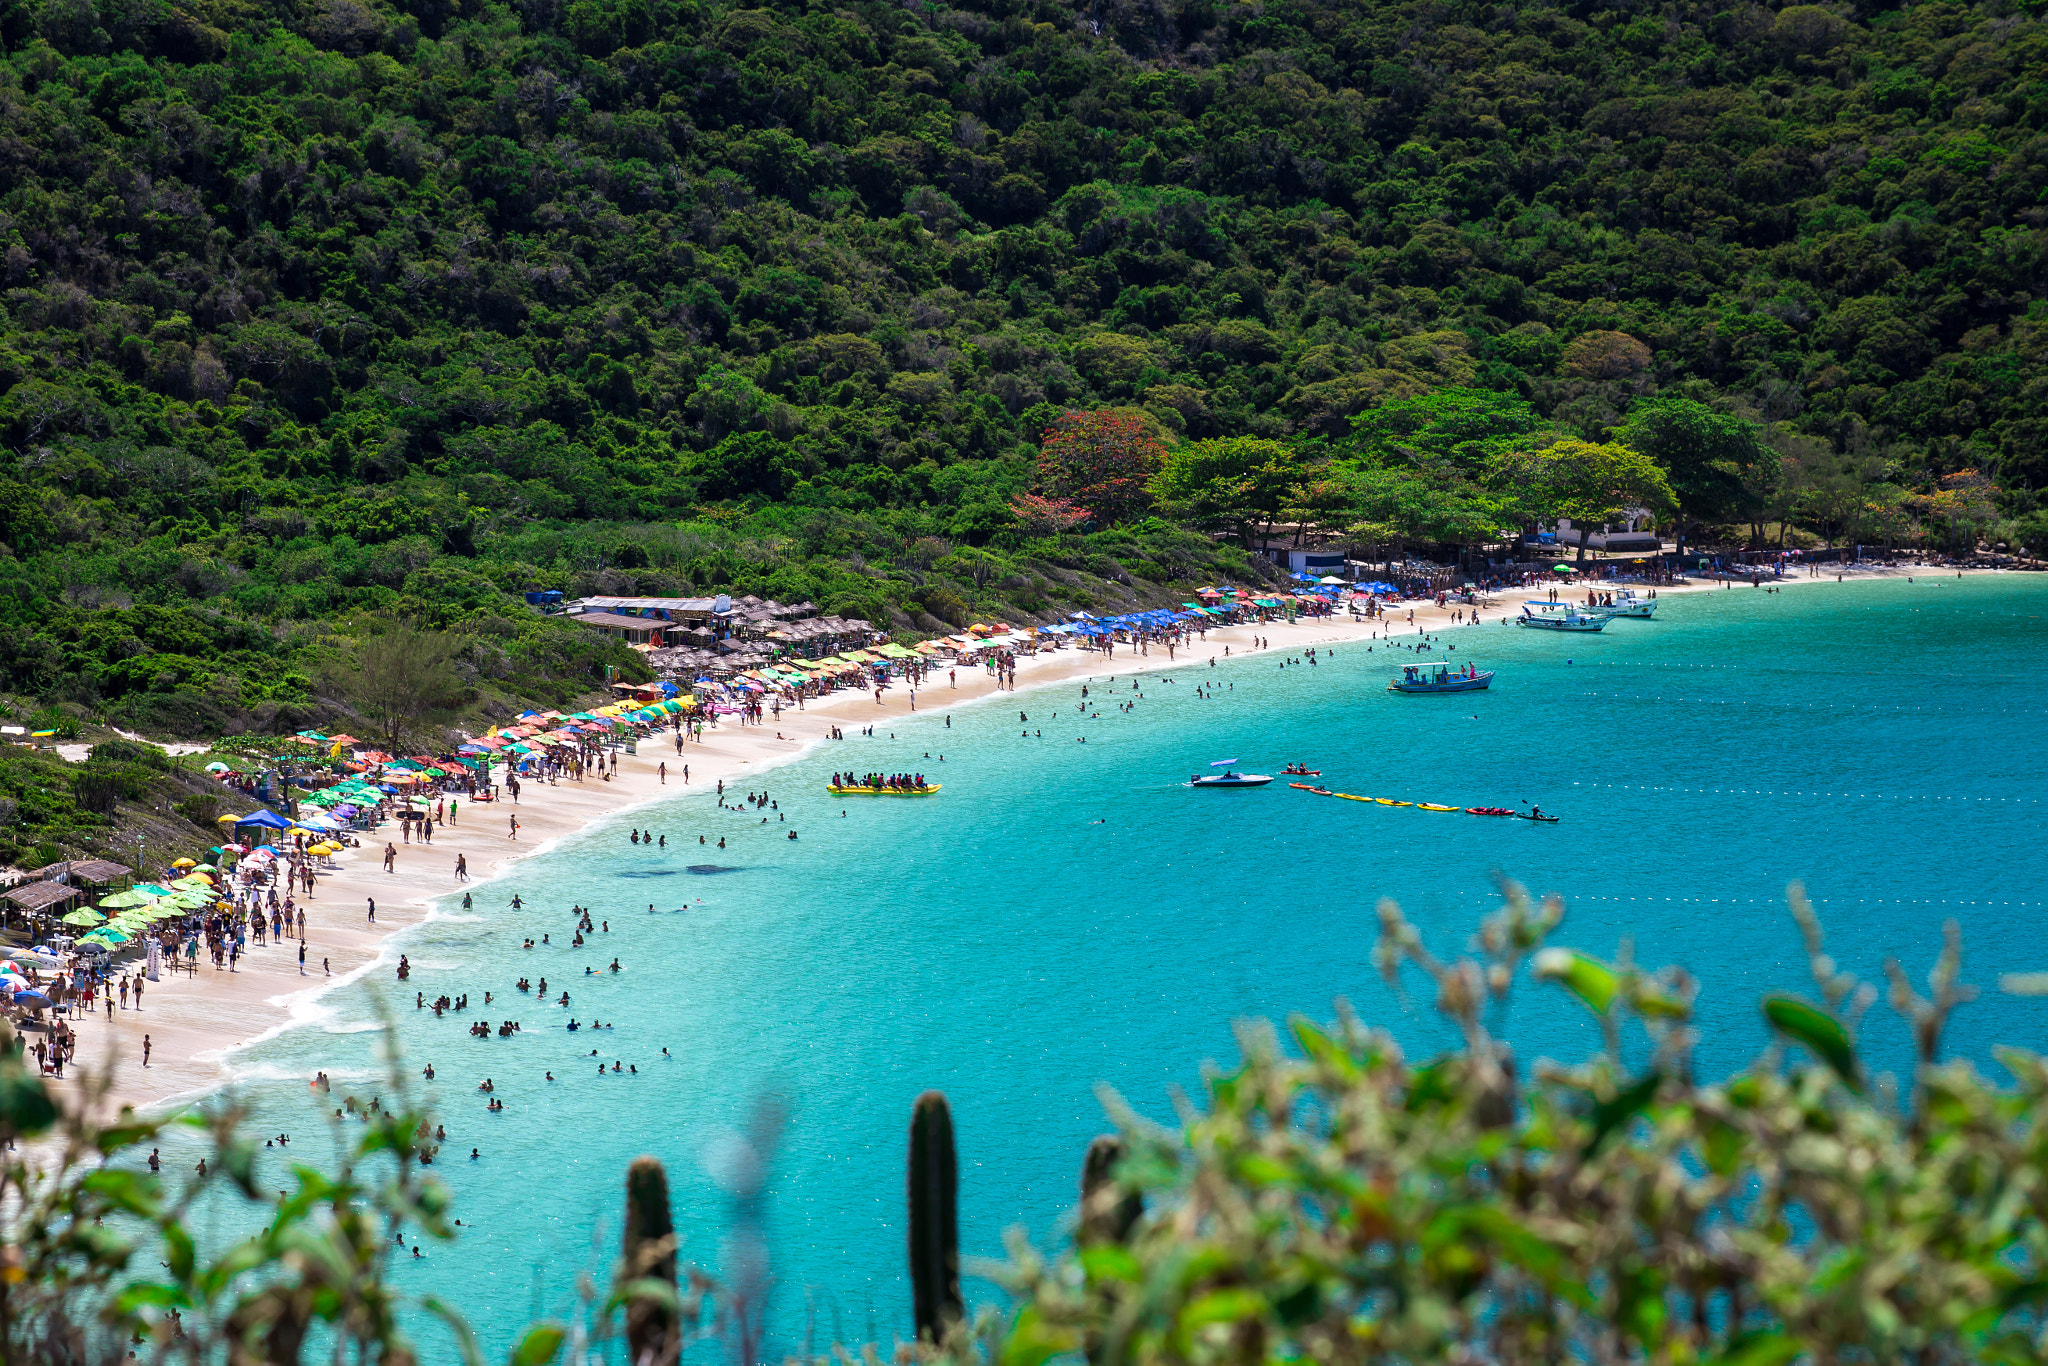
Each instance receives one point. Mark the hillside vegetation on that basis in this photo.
(344, 310)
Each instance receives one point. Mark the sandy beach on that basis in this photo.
(195, 1021)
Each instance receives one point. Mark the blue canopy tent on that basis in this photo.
(264, 817)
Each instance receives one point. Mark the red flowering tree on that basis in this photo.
(1100, 460)
(1047, 516)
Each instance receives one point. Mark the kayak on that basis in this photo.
(924, 791)
(1302, 772)
(1352, 797)
(1488, 811)
(1319, 791)
(1389, 801)
(1546, 820)
(1432, 806)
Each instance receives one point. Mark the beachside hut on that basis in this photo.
(39, 899)
(84, 872)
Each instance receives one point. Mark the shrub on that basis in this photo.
(130, 752)
(1337, 1202)
(202, 810)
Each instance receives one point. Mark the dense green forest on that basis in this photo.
(323, 314)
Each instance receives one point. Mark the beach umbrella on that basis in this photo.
(216, 767)
(84, 917)
(121, 899)
(32, 998)
(1561, 568)
(150, 889)
(186, 863)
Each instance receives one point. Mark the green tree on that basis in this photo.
(1236, 482)
(1397, 506)
(404, 680)
(1460, 427)
(1588, 483)
(1710, 459)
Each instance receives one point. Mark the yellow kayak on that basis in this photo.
(1432, 806)
(1389, 801)
(924, 791)
(1349, 797)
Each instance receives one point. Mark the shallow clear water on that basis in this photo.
(1068, 914)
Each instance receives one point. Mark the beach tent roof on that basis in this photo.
(266, 818)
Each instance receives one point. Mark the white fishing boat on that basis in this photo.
(1629, 603)
(1562, 616)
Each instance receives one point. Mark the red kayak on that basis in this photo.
(1488, 811)
(1301, 772)
(1319, 791)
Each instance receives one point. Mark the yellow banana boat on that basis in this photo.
(924, 791)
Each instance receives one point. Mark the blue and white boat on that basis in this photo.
(1230, 777)
(1440, 678)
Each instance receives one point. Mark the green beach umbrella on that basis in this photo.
(150, 889)
(120, 899)
(1561, 568)
(107, 934)
(84, 917)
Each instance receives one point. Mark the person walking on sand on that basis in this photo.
(146, 1046)
(302, 958)
(390, 857)
(373, 909)
(513, 834)
(461, 868)
(662, 768)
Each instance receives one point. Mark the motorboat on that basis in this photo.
(1562, 616)
(1231, 780)
(1440, 678)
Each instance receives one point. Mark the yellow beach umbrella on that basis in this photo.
(186, 863)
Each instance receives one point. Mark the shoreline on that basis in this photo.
(197, 1023)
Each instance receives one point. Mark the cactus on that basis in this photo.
(1107, 1214)
(934, 1218)
(653, 1328)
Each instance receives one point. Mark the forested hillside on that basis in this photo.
(345, 308)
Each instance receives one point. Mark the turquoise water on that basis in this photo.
(1066, 914)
